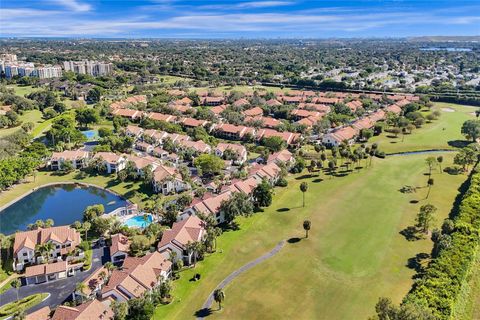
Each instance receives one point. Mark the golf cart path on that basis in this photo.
(240, 270)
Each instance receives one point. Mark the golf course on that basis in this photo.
(356, 251)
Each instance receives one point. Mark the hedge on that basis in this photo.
(439, 287)
(22, 304)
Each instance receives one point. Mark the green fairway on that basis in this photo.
(23, 90)
(440, 134)
(354, 254)
(34, 116)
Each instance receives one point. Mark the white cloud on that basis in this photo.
(74, 5)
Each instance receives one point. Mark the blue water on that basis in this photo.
(138, 221)
(62, 203)
(90, 134)
(446, 49)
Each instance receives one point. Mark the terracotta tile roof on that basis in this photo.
(94, 280)
(211, 205)
(91, 310)
(161, 117)
(70, 155)
(128, 113)
(267, 122)
(286, 136)
(43, 269)
(191, 122)
(138, 274)
(283, 156)
(354, 105)
(303, 113)
(238, 148)
(182, 232)
(176, 92)
(120, 243)
(273, 102)
(142, 162)
(32, 238)
(256, 111)
(198, 146)
(241, 102)
(344, 134)
(230, 128)
(218, 109)
(109, 157)
(40, 314)
(364, 123)
(135, 130)
(394, 108)
(163, 172)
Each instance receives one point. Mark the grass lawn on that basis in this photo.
(440, 134)
(227, 89)
(134, 191)
(34, 116)
(23, 90)
(25, 304)
(353, 256)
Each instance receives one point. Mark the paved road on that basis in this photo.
(206, 306)
(59, 290)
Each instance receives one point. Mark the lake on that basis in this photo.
(62, 203)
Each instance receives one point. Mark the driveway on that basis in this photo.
(60, 290)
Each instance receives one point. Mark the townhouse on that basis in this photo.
(254, 112)
(339, 136)
(93, 284)
(137, 276)
(94, 309)
(232, 132)
(167, 180)
(182, 233)
(119, 248)
(239, 150)
(64, 239)
(113, 162)
(49, 272)
(78, 158)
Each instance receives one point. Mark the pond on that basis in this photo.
(63, 203)
(90, 134)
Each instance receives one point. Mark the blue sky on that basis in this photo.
(237, 19)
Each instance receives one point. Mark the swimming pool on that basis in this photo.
(138, 221)
(90, 134)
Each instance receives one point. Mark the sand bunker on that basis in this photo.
(448, 110)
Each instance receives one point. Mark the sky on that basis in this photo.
(238, 19)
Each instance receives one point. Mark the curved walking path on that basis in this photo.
(239, 271)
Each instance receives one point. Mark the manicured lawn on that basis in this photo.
(34, 116)
(440, 134)
(134, 191)
(25, 304)
(353, 256)
(23, 90)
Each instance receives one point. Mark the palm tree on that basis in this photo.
(16, 284)
(219, 297)
(440, 160)
(430, 183)
(303, 188)
(80, 287)
(110, 267)
(306, 226)
(197, 248)
(102, 275)
(49, 247)
(86, 227)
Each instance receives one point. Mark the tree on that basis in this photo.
(303, 188)
(430, 183)
(209, 164)
(86, 226)
(431, 163)
(87, 116)
(440, 161)
(425, 217)
(49, 223)
(95, 94)
(471, 129)
(120, 310)
(92, 212)
(80, 287)
(139, 245)
(262, 194)
(140, 308)
(274, 144)
(238, 204)
(219, 297)
(306, 226)
(16, 284)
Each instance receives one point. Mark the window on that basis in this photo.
(58, 246)
(25, 254)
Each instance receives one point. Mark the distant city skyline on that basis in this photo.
(238, 19)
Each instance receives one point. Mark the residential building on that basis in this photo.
(112, 162)
(237, 149)
(339, 136)
(93, 68)
(64, 239)
(167, 180)
(176, 239)
(137, 276)
(49, 272)
(119, 248)
(78, 158)
(91, 310)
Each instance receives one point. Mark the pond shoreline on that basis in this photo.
(51, 184)
(407, 153)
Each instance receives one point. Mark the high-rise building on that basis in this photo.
(93, 68)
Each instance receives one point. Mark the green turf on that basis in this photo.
(23, 304)
(23, 90)
(354, 253)
(440, 134)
